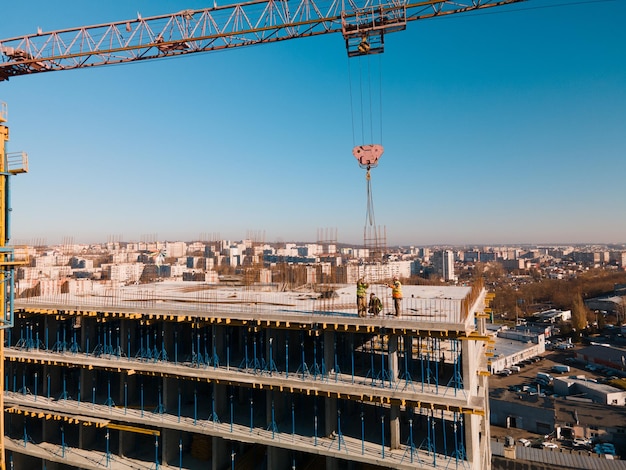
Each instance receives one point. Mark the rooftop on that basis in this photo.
(433, 305)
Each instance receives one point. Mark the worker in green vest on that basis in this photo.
(361, 296)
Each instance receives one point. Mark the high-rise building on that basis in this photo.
(443, 264)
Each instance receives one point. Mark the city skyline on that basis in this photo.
(502, 127)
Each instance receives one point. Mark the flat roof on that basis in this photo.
(428, 304)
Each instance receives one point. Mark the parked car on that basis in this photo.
(524, 442)
(549, 445)
(580, 442)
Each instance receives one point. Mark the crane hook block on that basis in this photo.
(368, 155)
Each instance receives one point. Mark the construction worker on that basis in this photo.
(361, 297)
(396, 294)
(375, 305)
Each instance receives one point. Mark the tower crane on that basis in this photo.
(362, 23)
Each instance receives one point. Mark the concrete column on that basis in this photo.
(330, 420)
(221, 453)
(392, 357)
(394, 426)
(330, 416)
(470, 351)
(278, 458)
(169, 446)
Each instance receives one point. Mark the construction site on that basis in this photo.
(196, 374)
(173, 375)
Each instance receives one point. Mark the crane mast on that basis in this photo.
(362, 24)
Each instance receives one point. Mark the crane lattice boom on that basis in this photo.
(220, 27)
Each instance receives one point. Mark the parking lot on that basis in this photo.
(527, 377)
(528, 372)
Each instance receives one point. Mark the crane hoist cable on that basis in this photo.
(367, 154)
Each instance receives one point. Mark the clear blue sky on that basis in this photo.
(504, 127)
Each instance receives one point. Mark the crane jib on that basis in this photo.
(242, 24)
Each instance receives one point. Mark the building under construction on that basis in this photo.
(191, 376)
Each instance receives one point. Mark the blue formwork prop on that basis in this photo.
(74, 346)
(272, 425)
(155, 353)
(24, 390)
(107, 452)
(303, 369)
(109, 401)
(338, 435)
(336, 369)
(161, 354)
(232, 410)
(410, 446)
(144, 353)
(60, 345)
(160, 408)
(215, 359)
(64, 395)
(406, 374)
(27, 437)
(244, 362)
(213, 416)
(156, 453)
(428, 444)
(255, 364)
(199, 358)
(27, 341)
(458, 456)
(316, 369)
(428, 361)
(371, 374)
(362, 430)
(206, 357)
(62, 442)
(383, 375)
(456, 381)
(270, 365)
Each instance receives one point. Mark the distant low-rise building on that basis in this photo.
(598, 393)
(562, 417)
(607, 356)
(552, 316)
(511, 347)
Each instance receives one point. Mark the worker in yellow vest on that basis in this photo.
(396, 294)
